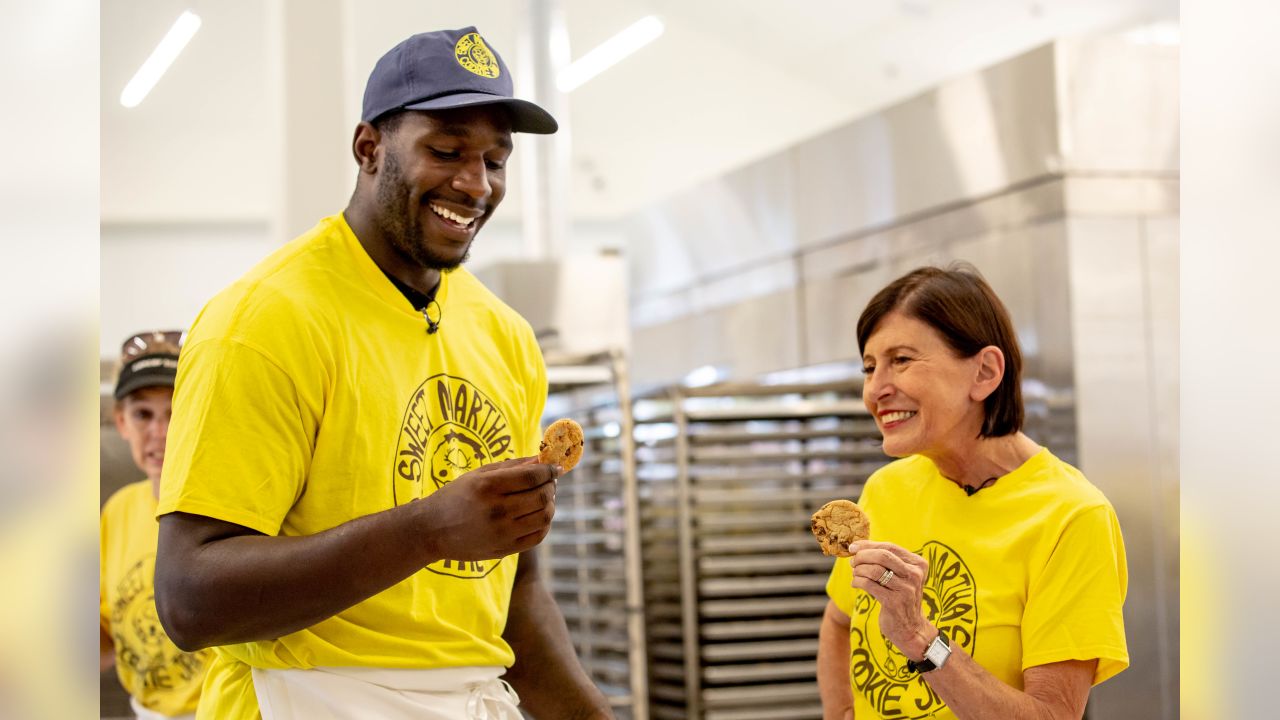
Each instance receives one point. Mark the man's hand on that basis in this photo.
(494, 511)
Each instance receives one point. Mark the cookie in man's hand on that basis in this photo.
(562, 444)
(837, 524)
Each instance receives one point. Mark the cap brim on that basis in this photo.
(526, 117)
(144, 379)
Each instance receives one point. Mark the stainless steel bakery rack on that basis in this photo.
(734, 583)
(591, 558)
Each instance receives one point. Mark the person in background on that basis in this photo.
(993, 582)
(162, 680)
(350, 502)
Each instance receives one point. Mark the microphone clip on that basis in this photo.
(432, 325)
(971, 491)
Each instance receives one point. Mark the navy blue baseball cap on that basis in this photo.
(448, 69)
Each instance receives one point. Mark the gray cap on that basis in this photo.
(448, 69)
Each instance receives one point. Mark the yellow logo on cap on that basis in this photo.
(475, 56)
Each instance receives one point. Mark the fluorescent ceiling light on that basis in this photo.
(610, 52)
(161, 58)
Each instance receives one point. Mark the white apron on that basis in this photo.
(465, 693)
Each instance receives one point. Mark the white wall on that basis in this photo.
(159, 276)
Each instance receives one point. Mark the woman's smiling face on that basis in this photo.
(919, 392)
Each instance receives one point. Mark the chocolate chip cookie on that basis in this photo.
(837, 524)
(562, 444)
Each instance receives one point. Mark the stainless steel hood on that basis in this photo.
(577, 305)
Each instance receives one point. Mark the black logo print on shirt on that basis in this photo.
(878, 670)
(449, 428)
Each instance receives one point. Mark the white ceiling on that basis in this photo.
(729, 81)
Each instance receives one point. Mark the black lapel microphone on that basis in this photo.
(971, 491)
(433, 325)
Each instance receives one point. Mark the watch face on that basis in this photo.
(938, 651)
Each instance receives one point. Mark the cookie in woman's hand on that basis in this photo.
(837, 524)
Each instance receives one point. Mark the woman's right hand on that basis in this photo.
(902, 620)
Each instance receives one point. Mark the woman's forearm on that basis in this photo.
(833, 665)
(1057, 691)
(895, 577)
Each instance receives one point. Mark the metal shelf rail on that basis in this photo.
(591, 557)
(734, 582)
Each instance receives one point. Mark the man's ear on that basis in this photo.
(988, 373)
(365, 146)
(118, 414)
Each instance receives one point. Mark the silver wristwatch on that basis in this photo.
(935, 656)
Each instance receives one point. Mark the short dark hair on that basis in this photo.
(388, 123)
(962, 307)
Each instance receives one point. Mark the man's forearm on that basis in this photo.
(106, 650)
(220, 583)
(245, 587)
(547, 675)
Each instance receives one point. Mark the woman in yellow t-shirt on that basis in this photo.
(162, 681)
(993, 581)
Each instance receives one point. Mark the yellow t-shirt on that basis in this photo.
(309, 394)
(1029, 571)
(151, 668)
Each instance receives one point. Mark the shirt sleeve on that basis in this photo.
(241, 438)
(537, 404)
(1075, 602)
(535, 391)
(840, 587)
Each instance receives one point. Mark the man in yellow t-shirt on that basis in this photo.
(349, 506)
(162, 681)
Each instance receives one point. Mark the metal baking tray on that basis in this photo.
(767, 564)
(815, 497)
(720, 652)
(766, 607)
(752, 542)
(744, 629)
(767, 585)
(772, 693)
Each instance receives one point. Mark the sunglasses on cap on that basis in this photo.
(153, 342)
